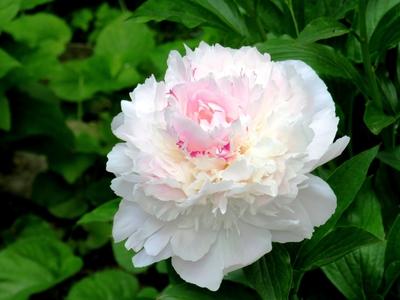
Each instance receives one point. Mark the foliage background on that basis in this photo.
(65, 66)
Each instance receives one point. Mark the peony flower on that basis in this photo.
(215, 161)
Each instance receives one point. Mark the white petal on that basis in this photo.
(159, 240)
(127, 220)
(118, 162)
(142, 259)
(334, 150)
(192, 245)
(318, 199)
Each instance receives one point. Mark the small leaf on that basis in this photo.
(376, 119)
(33, 265)
(320, 29)
(109, 284)
(103, 213)
(271, 275)
(391, 157)
(7, 63)
(335, 245)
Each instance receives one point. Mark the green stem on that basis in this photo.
(369, 70)
(296, 26)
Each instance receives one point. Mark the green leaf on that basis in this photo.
(358, 275)
(386, 34)
(82, 18)
(335, 245)
(29, 4)
(376, 119)
(124, 258)
(271, 275)
(222, 14)
(73, 167)
(45, 31)
(104, 285)
(392, 272)
(227, 291)
(345, 181)
(391, 157)
(5, 115)
(376, 9)
(323, 59)
(335, 9)
(7, 63)
(320, 29)
(103, 213)
(393, 243)
(8, 10)
(33, 265)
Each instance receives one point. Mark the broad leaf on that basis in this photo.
(376, 119)
(227, 291)
(123, 257)
(322, 58)
(320, 29)
(222, 14)
(8, 10)
(345, 181)
(335, 245)
(391, 157)
(7, 62)
(103, 285)
(376, 9)
(271, 275)
(32, 265)
(45, 31)
(29, 4)
(103, 213)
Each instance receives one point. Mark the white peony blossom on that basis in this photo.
(215, 161)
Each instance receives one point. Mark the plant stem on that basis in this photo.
(369, 70)
(290, 6)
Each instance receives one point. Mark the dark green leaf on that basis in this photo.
(335, 245)
(103, 213)
(271, 275)
(391, 157)
(32, 265)
(322, 58)
(29, 4)
(335, 9)
(393, 243)
(320, 29)
(376, 119)
(346, 181)
(221, 14)
(105, 285)
(227, 291)
(376, 9)
(7, 63)
(73, 167)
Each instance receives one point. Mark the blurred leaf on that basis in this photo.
(99, 234)
(70, 209)
(147, 293)
(376, 119)
(73, 167)
(376, 9)
(358, 275)
(7, 63)
(8, 10)
(45, 31)
(320, 29)
(5, 115)
(345, 181)
(116, 45)
(334, 245)
(32, 265)
(81, 19)
(335, 9)
(105, 285)
(222, 14)
(391, 157)
(103, 213)
(124, 258)
(325, 60)
(227, 291)
(29, 4)
(37, 118)
(392, 272)
(386, 34)
(271, 275)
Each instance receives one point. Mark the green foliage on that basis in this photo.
(65, 66)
